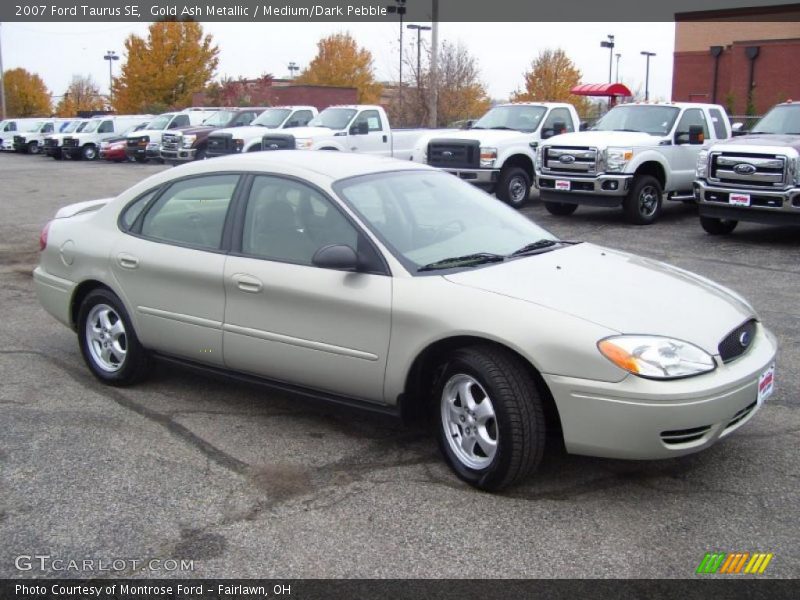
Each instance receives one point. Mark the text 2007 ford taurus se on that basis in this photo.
(390, 284)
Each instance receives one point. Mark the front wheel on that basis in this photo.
(714, 226)
(642, 205)
(561, 209)
(33, 148)
(89, 152)
(108, 342)
(514, 186)
(491, 427)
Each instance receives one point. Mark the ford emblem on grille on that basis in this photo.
(567, 159)
(744, 169)
(273, 146)
(447, 154)
(744, 339)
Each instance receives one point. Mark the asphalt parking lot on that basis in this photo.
(246, 483)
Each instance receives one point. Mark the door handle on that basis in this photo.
(127, 261)
(248, 283)
(385, 139)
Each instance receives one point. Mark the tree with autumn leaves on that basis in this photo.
(26, 94)
(163, 71)
(551, 77)
(82, 95)
(341, 62)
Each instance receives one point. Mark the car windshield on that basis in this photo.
(92, 126)
(82, 126)
(655, 120)
(430, 217)
(781, 119)
(160, 122)
(272, 118)
(333, 118)
(519, 118)
(32, 127)
(220, 118)
(71, 127)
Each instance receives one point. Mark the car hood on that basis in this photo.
(142, 132)
(619, 291)
(485, 136)
(195, 129)
(746, 141)
(604, 139)
(310, 132)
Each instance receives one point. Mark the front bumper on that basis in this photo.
(646, 419)
(71, 151)
(601, 190)
(181, 154)
(476, 176)
(151, 150)
(769, 207)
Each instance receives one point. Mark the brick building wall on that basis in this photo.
(270, 94)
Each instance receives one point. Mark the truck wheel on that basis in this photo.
(57, 154)
(89, 152)
(33, 148)
(715, 226)
(514, 186)
(200, 154)
(562, 209)
(642, 205)
(140, 159)
(490, 419)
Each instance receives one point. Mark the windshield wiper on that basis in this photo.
(503, 127)
(630, 130)
(479, 258)
(534, 247)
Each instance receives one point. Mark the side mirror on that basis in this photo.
(360, 128)
(696, 135)
(292, 124)
(738, 129)
(468, 124)
(336, 256)
(559, 127)
(584, 126)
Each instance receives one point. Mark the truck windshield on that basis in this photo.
(655, 120)
(70, 127)
(160, 122)
(272, 118)
(92, 126)
(219, 119)
(784, 119)
(519, 118)
(32, 127)
(83, 125)
(333, 118)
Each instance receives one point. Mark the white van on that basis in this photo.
(86, 144)
(30, 137)
(146, 143)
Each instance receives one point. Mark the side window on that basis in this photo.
(192, 211)
(244, 119)
(48, 128)
(372, 118)
(556, 115)
(11, 127)
(302, 117)
(106, 127)
(288, 221)
(693, 116)
(133, 211)
(179, 121)
(718, 120)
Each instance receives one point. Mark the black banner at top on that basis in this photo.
(391, 10)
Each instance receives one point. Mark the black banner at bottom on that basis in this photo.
(396, 589)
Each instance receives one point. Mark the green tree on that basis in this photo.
(26, 94)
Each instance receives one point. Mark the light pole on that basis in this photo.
(610, 45)
(618, 57)
(110, 56)
(647, 54)
(292, 69)
(434, 68)
(2, 85)
(400, 9)
(420, 29)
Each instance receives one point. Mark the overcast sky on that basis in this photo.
(56, 51)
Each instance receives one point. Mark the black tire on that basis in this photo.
(562, 209)
(518, 417)
(89, 152)
(33, 148)
(200, 154)
(642, 205)
(514, 186)
(714, 226)
(140, 159)
(57, 155)
(135, 364)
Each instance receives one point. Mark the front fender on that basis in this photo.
(336, 145)
(649, 156)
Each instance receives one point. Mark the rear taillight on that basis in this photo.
(43, 236)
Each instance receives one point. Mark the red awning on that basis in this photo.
(601, 89)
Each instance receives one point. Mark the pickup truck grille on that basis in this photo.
(277, 142)
(746, 169)
(454, 154)
(70, 142)
(570, 160)
(141, 140)
(220, 143)
(171, 141)
(19, 140)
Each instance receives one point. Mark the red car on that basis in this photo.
(114, 150)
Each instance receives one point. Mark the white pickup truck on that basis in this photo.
(631, 157)
(359, 128)
(497, 152)
(233, 140)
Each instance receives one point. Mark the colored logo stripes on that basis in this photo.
(734, 563)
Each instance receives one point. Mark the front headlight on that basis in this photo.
(656, 357)
(188, 140)
(617, 158)
(303, 143)
(538, 159)
(701, 169)
(488, 156)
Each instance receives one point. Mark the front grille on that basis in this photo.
(171, 141)
(138, 141)
(277, 142)
(684, 436)
(745, 169)
(755, 199)
(220, 143)
(454, 154)
(70, 142)
(19, 140)
(737, 341)
(50, 143)
(570, 160)
(740, 416)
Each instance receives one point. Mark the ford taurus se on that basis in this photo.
(391, 285)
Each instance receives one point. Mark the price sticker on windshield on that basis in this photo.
(562, 185)
(740, 199)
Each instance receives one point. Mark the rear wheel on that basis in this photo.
(715, 226)
(89, 152)
(108, 342)
(642, 205)
(562, 209)
(491, 426)
(514, 186)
